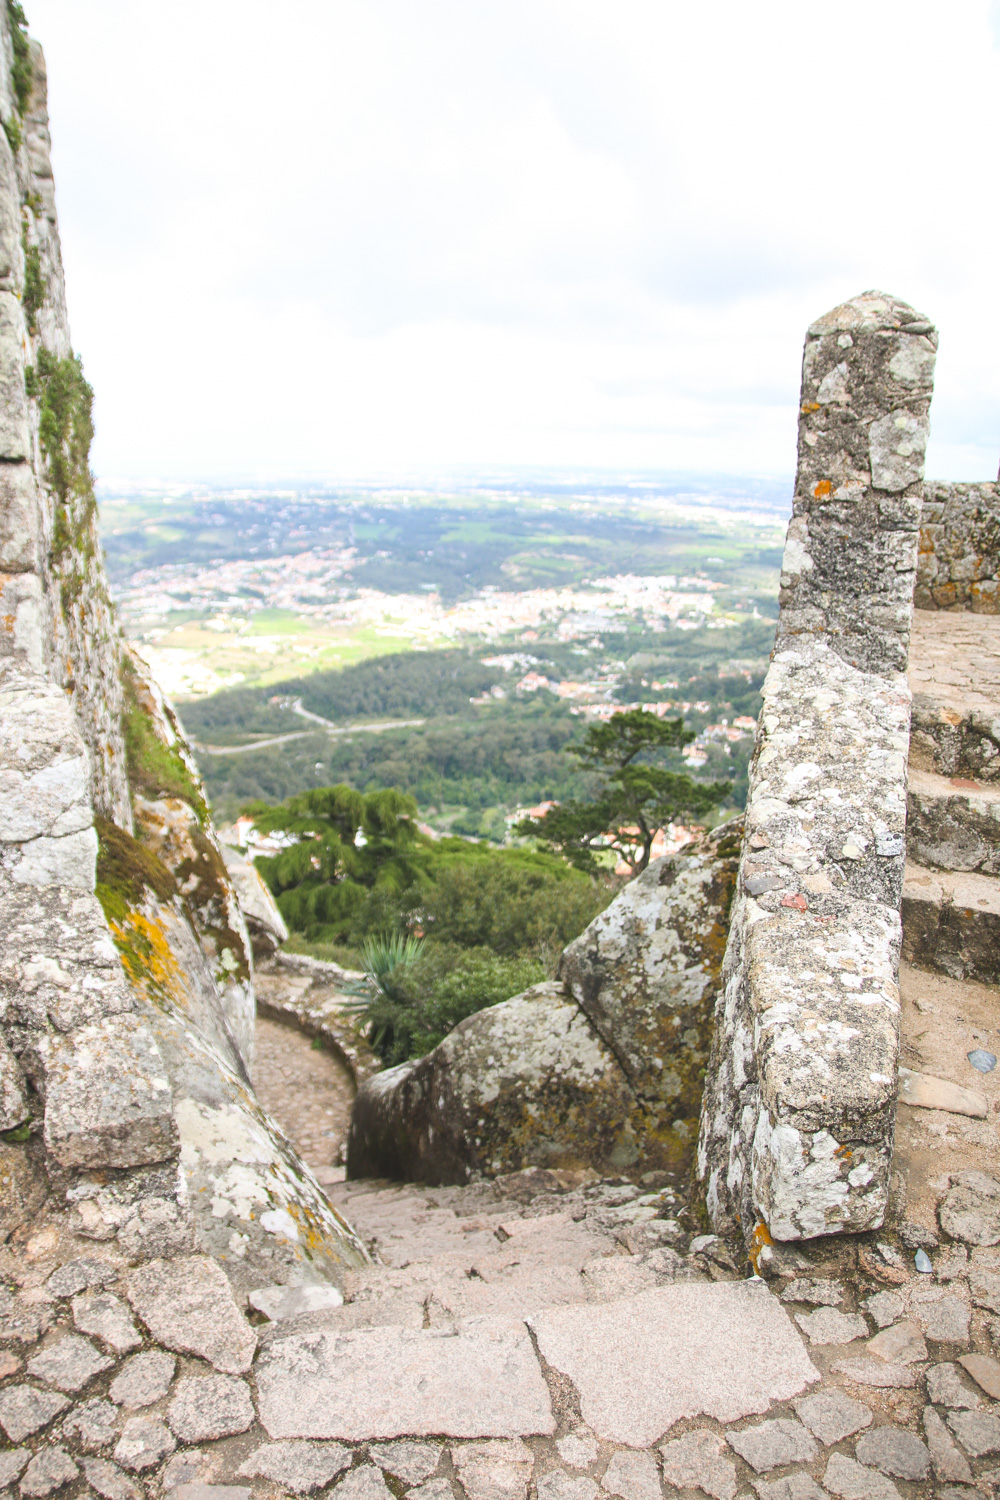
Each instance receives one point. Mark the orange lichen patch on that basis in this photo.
(809, 406)
(823, 489)
(760, 1237)
(148, 959)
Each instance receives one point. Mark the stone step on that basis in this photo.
(954, 676)
(951, 922)
(953, 823)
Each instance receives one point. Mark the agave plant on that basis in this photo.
(386, 957)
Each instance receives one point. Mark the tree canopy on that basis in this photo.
(638, 798)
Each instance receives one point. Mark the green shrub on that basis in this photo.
(22, 74)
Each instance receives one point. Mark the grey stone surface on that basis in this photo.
(676, 1335)
(828, 1326)
(48, 1471)
(364, 1483)
(942, 1315)
(107, 1318)
(301, 1467)
(895, 1451)
(947, 1387)
(816, 1291)
(19, 1320)
(985, 1371)
(557, 1485)
(633, 1475)
(12, 1461)
(143, 1379)
(876, 1374)
(970, 1210)
(948, 1463)
(797, 1123)
(578, 1451)
(433, 1489)
(798, 1486)
(497, 1470)
(210, 1406)
(773, 1444)
(697, 1461)
(107, 1097)
(80, 1275)
(412, 1462)
(853, 1481)
(985, 1288)
(900, 1343)
(831, 1415)
(977, 1431)
(187, 1304)
(93, 1424)
(144, 1443)
(69, 1363)
(199, 1491)
(886, 1308)
(958, 559)
(280, 1303)
(24, 1410)
(109, 1481)
(391, 1382)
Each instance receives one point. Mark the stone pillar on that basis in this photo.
(799, 1109)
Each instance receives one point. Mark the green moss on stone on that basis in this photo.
(22, 74)
(33, 294)
(155, 769)
(126, 870)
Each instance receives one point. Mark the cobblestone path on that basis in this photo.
(307, 1089)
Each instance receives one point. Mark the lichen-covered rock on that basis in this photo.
(602, 1069)
(959, 557)
(264, 922)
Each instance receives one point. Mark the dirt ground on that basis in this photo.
(307, 1090)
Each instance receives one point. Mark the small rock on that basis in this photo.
(633, 1475)
(299, 1466)
(695, 1461)
(886, 1308)
(364, 1483)
(183, 1468)
(9, 1364)
(770, 1444)
(945, 1387)
(144, 1443)
(109, 1481)
(198, 1491)
(93, 1423)
(79, 1275)
(947, 1462)
(970, 1210)
(977, 1431)
(559, 1486)
(798, 1486)
(499, 1469)
(12, 1461)
(188, 1305)
(68, 1364)
(923, 1263)
(579, 1452)
(985, 1288)
(409, 1461)
(434, 1489)
(952, 1262)
(210, 1406)
(106, 1317)
(876, 1374)
(984, 1371)
(916, 1237)
(901, 1344)
(24, 1410)
(48, 1471)
(981, 1060)
(852, 1481)
(828, 1326)
(831, 1416)
(21, 1321)
(143, 1379)
(810, 1289)
(895, 1451)
(282, 1302)
(943, 1315)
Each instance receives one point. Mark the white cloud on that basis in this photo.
(342, 234)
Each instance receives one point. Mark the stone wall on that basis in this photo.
(959, 559)
(127, 1114)
(798, 1115)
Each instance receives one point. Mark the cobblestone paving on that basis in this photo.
(306, 1088)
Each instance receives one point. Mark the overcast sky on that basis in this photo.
(335, 237)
